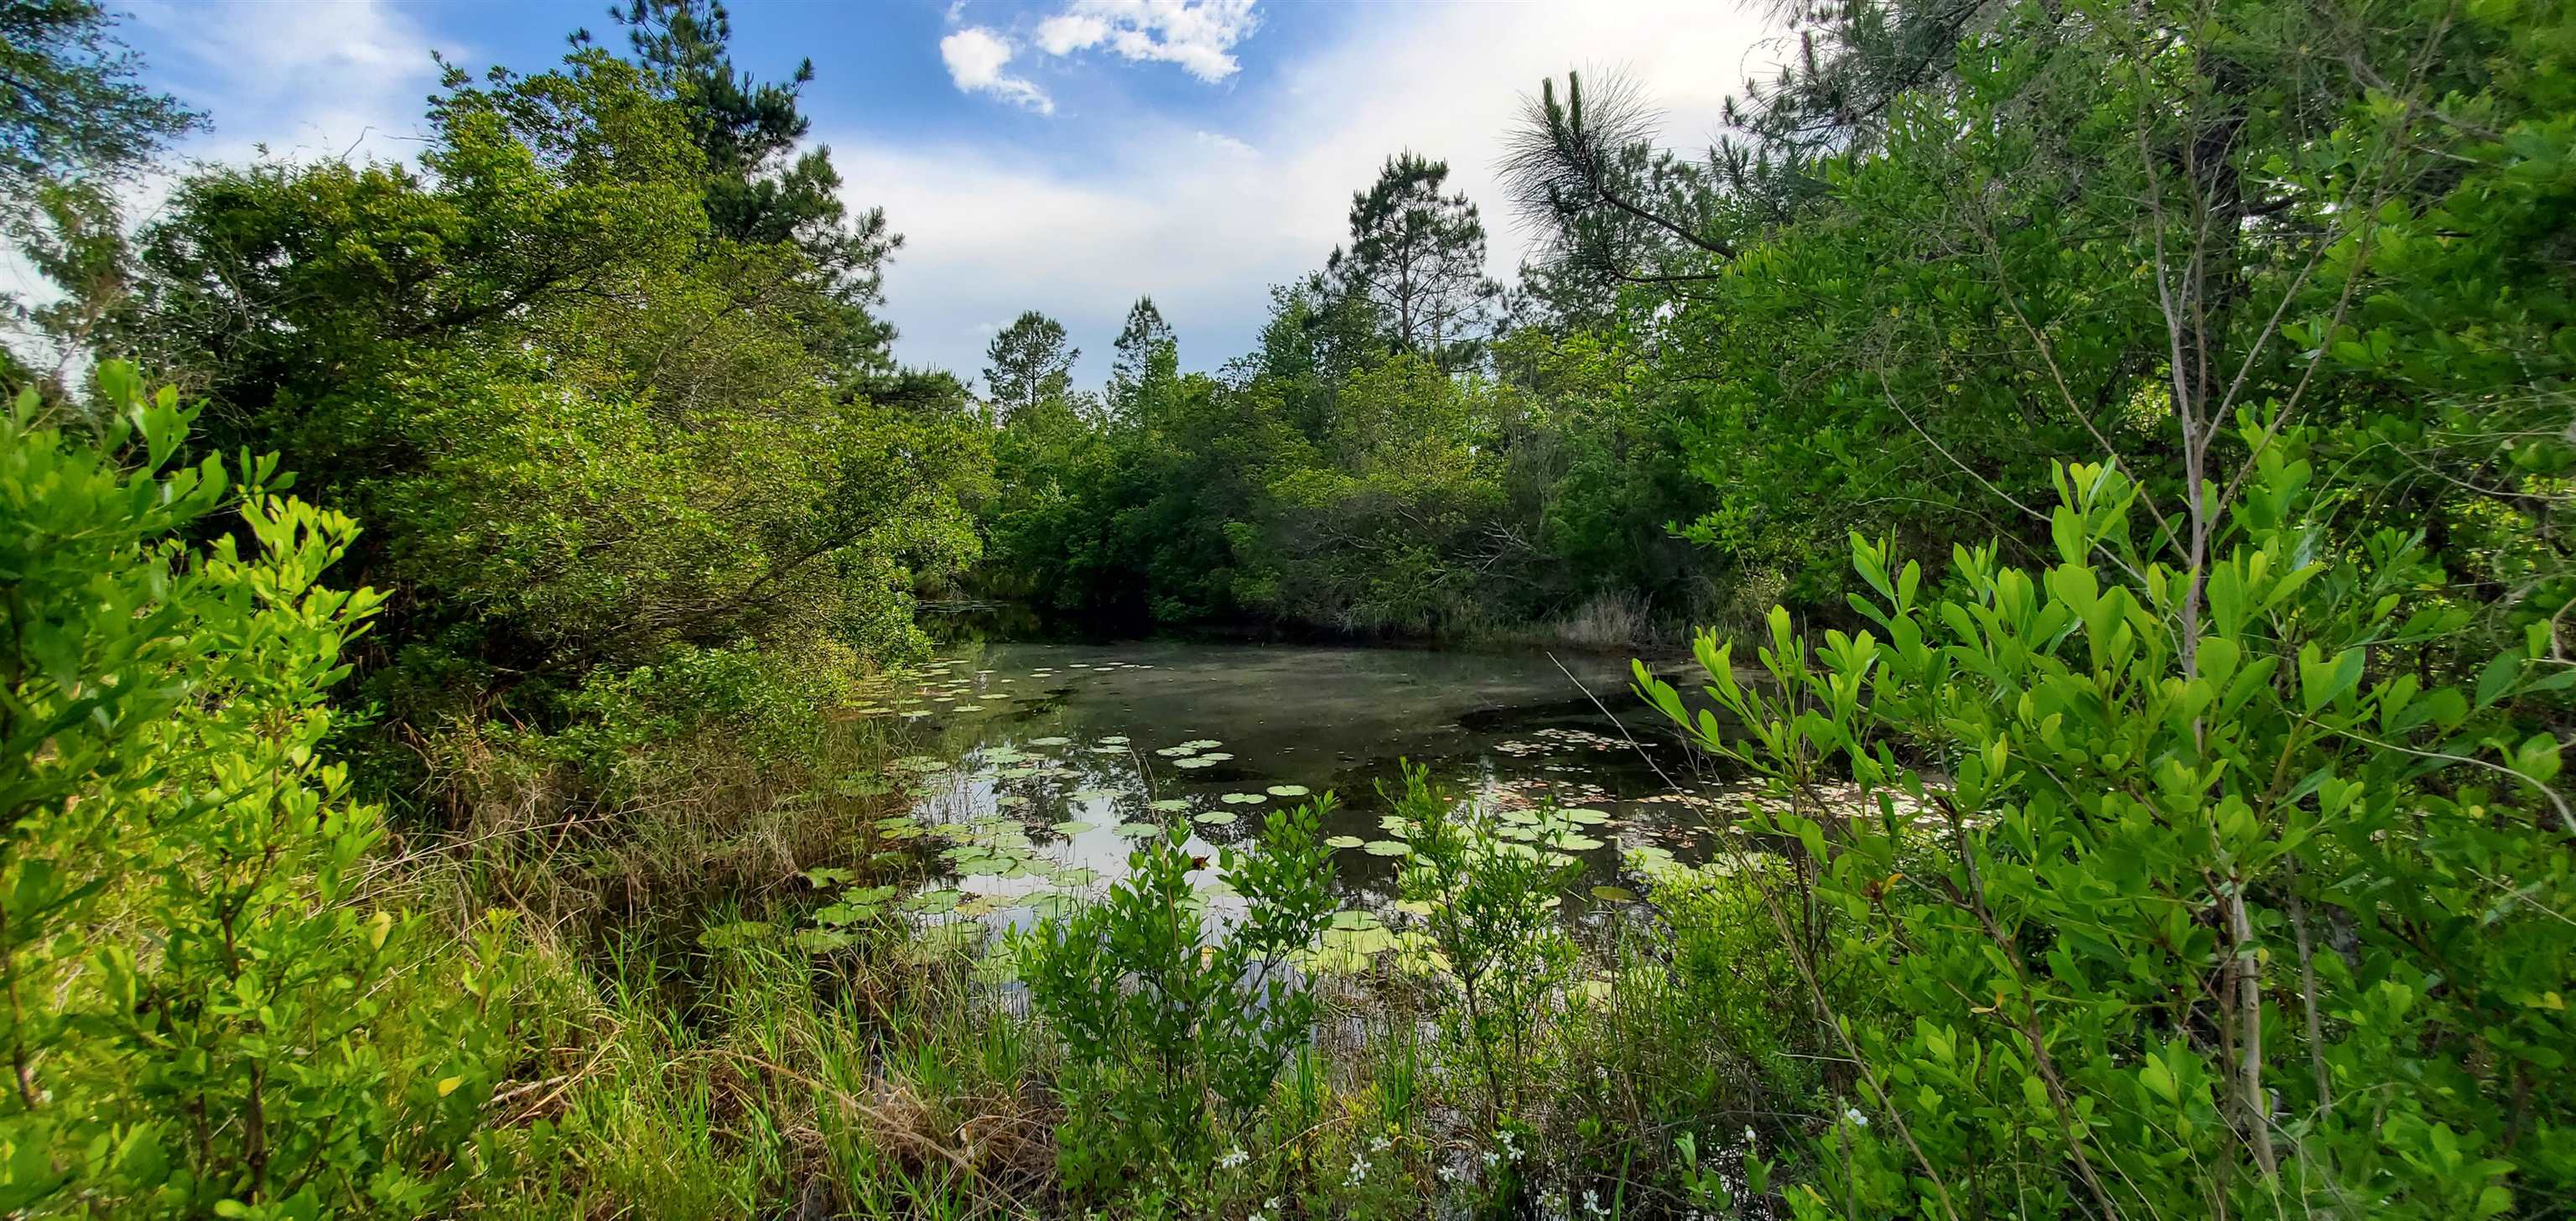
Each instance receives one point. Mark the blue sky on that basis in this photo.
(1060, 155)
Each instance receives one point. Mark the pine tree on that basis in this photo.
(1417, 257)
(761, 189)
(1030, 364)
(1148, 357)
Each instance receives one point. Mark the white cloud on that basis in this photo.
(1198, 35)
(1224, 143)
(976, 56)
(1206, 222)
(305, 80)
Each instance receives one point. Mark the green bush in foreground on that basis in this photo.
(203, 1013)
(1159, 1013)
(2195, 896)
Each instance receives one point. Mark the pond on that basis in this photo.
(1037, 765)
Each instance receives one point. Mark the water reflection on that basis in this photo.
(1042, 763)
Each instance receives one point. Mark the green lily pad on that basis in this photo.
(1051, 741)
(1115, 739)
(1243, 799)
(1344, 841)
(1289, 790)
(1214, 818)
(1168, 805)
(1585, 818)
(934, 902)
(1614, 894)
(1196, 761)
(1389, 847)
(1202, 743)
(1136, 830)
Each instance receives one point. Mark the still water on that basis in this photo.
(1038, 765)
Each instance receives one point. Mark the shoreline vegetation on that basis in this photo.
(470, 726)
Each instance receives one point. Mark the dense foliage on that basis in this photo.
(2119, 446)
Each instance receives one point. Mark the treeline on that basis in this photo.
(1409, 452)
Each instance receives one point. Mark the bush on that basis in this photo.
(1158, 1015)
(205, 1012)
(2197, 904)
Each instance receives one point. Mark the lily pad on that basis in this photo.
(1050, 741)
(1344, 841)
(1585, 818)
(1115, 739)
(1614, 894)
(1074, 826)
(934, 902)
(1197, 761)
(1214, 818)
(1289, 790)
(1136, 830)
(1168, 805)
(1202, 743)
(1389, 847)
(1243, 799)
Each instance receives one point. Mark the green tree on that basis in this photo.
(762, 189)
(1417, 257)
(1147, 361)
(70, 103)
(1029, 364)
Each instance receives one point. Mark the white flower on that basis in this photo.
(1592, 1203)
(1359, 1172)
(1853, 1114)
(1379, 1144)
(1233, 1158)
(1492, 1159)
(1451, 1174)
(1748, 1136)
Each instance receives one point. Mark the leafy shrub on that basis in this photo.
(1486, 897)
(2196, 903)
(1159, 1013)
(205, 1013)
